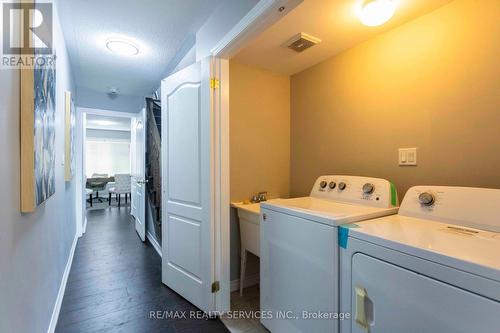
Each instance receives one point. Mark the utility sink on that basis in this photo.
(249, 216)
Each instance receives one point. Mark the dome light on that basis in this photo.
(122, 47)
(376, 12)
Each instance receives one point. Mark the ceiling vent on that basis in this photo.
(301, 42)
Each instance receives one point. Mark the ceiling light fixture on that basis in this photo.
(122, 47)
(376, 12)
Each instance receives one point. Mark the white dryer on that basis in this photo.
(299, 276)
(433, 268)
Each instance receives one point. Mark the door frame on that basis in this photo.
(262, 16)
(82, 112)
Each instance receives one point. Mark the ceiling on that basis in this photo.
(108, 123)
(159, 27)
(333, 21)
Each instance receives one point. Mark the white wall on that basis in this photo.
(34, 248)
(188, 59)
(98, 100)
(224, 18)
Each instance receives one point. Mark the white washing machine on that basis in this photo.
(299, 276)
(434, 267)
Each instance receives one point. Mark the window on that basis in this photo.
(108, 157)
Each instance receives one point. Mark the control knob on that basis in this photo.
(426, 199)
(368, 188)
(342, 186)
(332, 185)
(323, 184)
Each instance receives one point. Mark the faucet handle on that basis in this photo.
(262, 196)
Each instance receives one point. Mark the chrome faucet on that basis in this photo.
(259, 197)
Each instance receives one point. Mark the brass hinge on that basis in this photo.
(214, 83)
(215, 286)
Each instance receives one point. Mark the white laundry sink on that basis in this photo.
(249, 216)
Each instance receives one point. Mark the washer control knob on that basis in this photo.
(426, 199)
(323, 184)
(342, 186)
(368, 188)
(332, 185)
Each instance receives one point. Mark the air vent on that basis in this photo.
(301, 42)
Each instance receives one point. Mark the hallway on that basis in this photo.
(115, 281)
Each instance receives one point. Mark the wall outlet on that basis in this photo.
(407, 156)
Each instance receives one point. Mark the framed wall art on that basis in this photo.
(69, 137)
(38, 155)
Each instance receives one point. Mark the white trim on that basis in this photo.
(222, 201)
(80, 197)
(62, 288)
(251, 280)
(154, 242)
(264, 14)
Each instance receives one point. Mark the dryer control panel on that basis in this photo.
(466, 206)
(359, 190)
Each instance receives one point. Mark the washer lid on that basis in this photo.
(473, 250)
(326, 211)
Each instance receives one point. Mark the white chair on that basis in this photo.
(122, 186)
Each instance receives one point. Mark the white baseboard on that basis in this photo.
(153, 241)
(249, 281)
(62, 288)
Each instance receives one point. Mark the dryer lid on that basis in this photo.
(468, 249)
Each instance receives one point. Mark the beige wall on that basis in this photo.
(259, 112)
(260, 132)
(433, 83)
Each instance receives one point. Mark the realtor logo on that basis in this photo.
(27, 33)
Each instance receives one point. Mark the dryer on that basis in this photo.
(299, 276)
(433, 267)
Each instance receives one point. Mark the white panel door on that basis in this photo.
(187, 208)
(139, 176)
(387, 298)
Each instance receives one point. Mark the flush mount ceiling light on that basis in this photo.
(122, 47)
(377, 12)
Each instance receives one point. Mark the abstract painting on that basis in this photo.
(38, 111)
(70, 120)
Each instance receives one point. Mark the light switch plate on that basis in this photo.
(407, 156)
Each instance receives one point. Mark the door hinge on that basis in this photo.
(215, 286)
(214, 83)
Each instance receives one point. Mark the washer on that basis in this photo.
(299, 276)
(434, 267)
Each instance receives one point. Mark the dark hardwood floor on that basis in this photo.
(115, 283)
